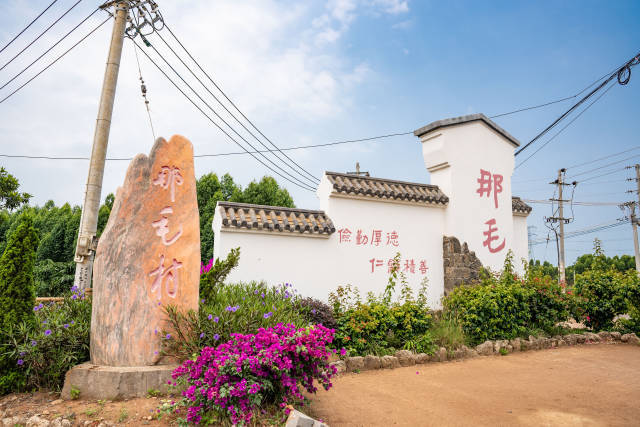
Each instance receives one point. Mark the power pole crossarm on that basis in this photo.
(85, 248)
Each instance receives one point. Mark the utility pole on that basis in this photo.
(86, 246)
(634, 222)
(561, 220)
(357, 172)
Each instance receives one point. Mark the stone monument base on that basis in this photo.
(116, 382)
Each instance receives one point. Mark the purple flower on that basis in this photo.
(155, 331)
(216, 337)
(159, 303)
(262, 295)
(40, 305)
(343, 351)
(313, 311)
(155, 352)
(202, 335)
(74, 289)
(267, 315)
(74, 296)
(66, 325)
(73, 322)
(202, 301)
(44, 322)
(168, 336)
(20, 362)
(47, 332)
(216, 319)
(35, 308)
(34, 343)
(210, 316)
(255, 292)
(22, 353)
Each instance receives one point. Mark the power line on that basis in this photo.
(604, 174)
(216, 124)
(143, 89)
(40, 35)
(547, 202)
(232, 103)
(27, 27)
(603, 158)
(586, 231)
(234, 153)
(54, 61)
(49, 50)
(605, 166)
(561, 130)
(619, 73)
(293, 180)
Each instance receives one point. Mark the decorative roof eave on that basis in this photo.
(245, 217)
(385, 190)
(466, 119)
(519, 207)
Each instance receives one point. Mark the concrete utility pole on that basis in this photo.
(561, 269)
(634, 222)
(86, 246)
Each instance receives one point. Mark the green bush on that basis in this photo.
(17, 295)
(506, 306)
(380, 325)
(43, 351)
(317, 312)
(447, 331)
(52, 278)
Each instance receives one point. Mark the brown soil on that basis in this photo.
(593, 385)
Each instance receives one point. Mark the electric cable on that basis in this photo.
(40, 35)
(314, 181)
(216, 124)
(143, 89)
(604, 174)
(295, 180)
(566, 126)
(27, 27)
(604, 166)
(55, 60)
(49, 50)
(231, 102)
(603, 158)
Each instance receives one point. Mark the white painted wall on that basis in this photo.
(520, 241)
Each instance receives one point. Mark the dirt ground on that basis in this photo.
(595, 385)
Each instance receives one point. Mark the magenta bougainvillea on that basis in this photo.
(271, 366)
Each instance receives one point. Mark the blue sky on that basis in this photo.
(314, 72)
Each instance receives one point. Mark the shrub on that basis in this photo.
(53, 278)
(447, 331)
(17, 295)
(215, 273)
(234, 379)
(231, 308)
(46, 349)
(317, 312)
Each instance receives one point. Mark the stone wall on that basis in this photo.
(460, 264)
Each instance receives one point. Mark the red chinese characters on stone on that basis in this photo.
(162, 228)
(168, 178)
(489, 182)
(166, 276)
(490, 237)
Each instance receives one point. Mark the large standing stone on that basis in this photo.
(148, 256)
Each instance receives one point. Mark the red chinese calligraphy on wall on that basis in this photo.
(362, 238)
(167, 276)
(490, 182)
(490, 237)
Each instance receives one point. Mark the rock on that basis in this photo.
(421, 358)
(13, 421)
(515, 344)
(604, 336)
(485, 349)
(390, 362)
(442, 354)
(372, 362)
(57, 402)
(570, 339)
(340, 366)
(580, 338)
(498, 344)
(469, 352)
(616, 336)
(459, 354)
(60, 422)
(148, 256)
(36, 421)
(355, 363)
(298, 419)
(524, 345)
(561, 343)
(630, 338)
(509, 348)
(591, 337)
(405, 358)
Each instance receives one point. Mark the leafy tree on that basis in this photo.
(10, 198)
(267, 192)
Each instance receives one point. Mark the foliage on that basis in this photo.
(43, 351)
(53, 278)
(447, 331)
(213, 274)
(379, 324)
(421, 344)
(317, 312)
(10, 198)
(504, 306)
(234, 379)
(210, 189)
(230, 308)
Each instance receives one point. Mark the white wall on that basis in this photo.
(520, 241)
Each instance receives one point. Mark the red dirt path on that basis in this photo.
(590, 385)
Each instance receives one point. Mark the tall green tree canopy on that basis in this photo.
(10, 198)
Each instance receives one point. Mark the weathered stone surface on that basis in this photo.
(616, 336)
(580, 338)
(355, 363)
(372, 362)
(485, 349)
(561, 343)
(340, 366)
(469, 352)
(515, 344)
(115, 382)
(498, 344)
(630, 338)
(591, 337)
(13, 421)
(460, 265)
(405, 358)
(570, 339)
(442, 354)
(148, 256)
(298, 419)
(390, 362)
(36, 421)
(605, 336)
(60, 422)
(421, 358)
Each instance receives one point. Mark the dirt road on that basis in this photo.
(595, 385)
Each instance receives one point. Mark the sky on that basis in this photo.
(320, 71)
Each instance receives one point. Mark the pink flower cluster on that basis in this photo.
(271, 366)
(206, 268)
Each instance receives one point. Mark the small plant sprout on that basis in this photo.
(74, 392)
(124, 414)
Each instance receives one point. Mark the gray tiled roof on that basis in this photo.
(386, 189)
(273, 219)
(518, 206)
(465, 119)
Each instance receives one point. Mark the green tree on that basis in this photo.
(10, 198)
(267, 192)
